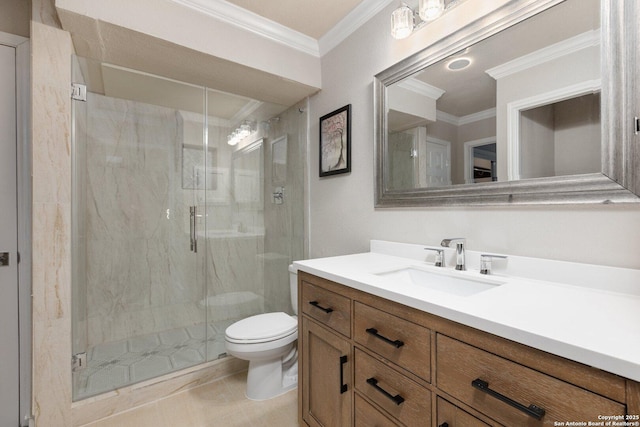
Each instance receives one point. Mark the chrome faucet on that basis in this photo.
(485, 262)
(459, 250)
(439, 262)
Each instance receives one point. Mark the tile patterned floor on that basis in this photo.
(218, 404)
(116, 364)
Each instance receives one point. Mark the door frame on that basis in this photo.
(23, 160)
(468, 156)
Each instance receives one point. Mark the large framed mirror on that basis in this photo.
(527, 105)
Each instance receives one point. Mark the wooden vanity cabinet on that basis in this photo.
(366, 415)
(497, 385)
(450, 415)
(406, 367)
(326, 398)
(401, 342)
(326, 357)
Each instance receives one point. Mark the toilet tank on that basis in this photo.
(293, 285)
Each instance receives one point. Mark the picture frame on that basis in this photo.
(335, 142)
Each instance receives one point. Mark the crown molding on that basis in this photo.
(476, 117)
(465, 120)
(558, 50)
(350, 23)
(249, 21)
(422, 88)
(441, 116)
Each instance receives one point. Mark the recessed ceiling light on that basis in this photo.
(459, 64)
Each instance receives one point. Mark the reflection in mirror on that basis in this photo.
(279, 161)
(523, 103)
(483, 165)
(562, 138)
(247, 175)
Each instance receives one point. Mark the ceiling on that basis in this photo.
(237, 87)
(472, 90)
(313, 18)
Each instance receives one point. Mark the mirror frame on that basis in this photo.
(616, 184)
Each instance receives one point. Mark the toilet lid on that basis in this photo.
(262, 327)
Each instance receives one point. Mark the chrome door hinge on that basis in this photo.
(29, 421)
(78, 92)
(78, 362)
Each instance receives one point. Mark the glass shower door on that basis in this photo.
(235, 217)
(140, 171)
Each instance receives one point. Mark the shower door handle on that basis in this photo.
(192, 227)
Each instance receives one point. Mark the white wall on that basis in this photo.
(342, 218)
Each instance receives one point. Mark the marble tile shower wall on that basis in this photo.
(134, 279)
(140, 275)
(284, 223)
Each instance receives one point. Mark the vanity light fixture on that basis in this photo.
(430, 9)
(405, 20)
(243, 131)
(402, 22)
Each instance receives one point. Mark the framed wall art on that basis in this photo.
(335, 142)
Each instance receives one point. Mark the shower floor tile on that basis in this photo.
(118, 364)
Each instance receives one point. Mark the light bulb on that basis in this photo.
(245, 130)
(402, 22)
(430, 9)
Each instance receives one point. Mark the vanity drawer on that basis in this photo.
(453, 416)
(327, 307)
(367, 415)
(400, 397)
(402, 342)
(460, 364)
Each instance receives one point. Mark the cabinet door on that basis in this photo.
(326, 377)
(452, 416)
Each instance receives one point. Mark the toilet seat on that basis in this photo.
(262, 328)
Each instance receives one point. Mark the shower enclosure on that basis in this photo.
(176, 233)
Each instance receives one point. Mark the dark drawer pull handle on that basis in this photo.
(317, 305)
(444, 425)
(531, 410)
(343, 386)
(374, 332)
(397, 399)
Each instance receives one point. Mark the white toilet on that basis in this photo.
(268, 342)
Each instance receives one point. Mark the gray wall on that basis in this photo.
(341, 214)
(15, 17)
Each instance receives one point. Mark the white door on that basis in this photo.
(9, 347)
(438, 163)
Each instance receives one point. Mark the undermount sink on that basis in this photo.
(442, 282)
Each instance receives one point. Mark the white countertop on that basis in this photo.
(590, 315)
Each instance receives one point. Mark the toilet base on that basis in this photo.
(267, 379)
